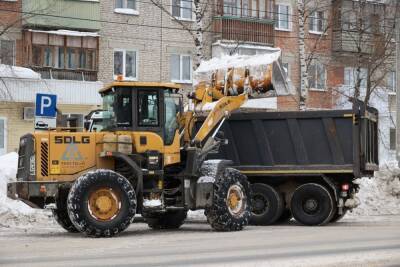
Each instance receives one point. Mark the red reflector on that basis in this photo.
(345, 187)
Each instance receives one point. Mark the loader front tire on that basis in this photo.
(168, 220)
(231, 208)
(101, 203)
(61, 213)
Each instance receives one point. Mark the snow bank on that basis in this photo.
(12, 212)
(380, 195)
(7, 71)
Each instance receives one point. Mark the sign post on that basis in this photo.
(45, 111)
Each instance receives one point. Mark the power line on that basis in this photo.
(182, 29)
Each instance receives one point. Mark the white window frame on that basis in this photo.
(353, 71)
(315, 75)
(315, 20)
(180, 69)
(279, 28)
(124, 64)
(5, 134)
(192, 17)
(391, 78)
(125, 10)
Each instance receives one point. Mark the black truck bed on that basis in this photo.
(302, 142)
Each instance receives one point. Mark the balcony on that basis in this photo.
(62, 14)
(65, 74)
(244, 30)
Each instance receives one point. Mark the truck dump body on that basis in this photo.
(312, 142)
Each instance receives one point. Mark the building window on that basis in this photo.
(231, 7)
(282, 17)
(127, 7)
(7, 52)
(125, 64)
(317, 76)
(392, 139)
(391, 81)
(317, 22)
(181, 68)
(182, 9)
(350, 77)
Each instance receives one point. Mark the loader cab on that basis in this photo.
(144, 107)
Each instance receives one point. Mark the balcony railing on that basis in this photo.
(64, 74)
(244, 29)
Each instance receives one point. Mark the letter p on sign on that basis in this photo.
(46, 105)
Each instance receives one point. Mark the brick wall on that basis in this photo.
(288, 42)
(10, 16)
(153, 44)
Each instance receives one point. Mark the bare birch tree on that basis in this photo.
(317, 14)
(200, 12)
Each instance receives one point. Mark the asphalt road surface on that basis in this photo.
(365, 241)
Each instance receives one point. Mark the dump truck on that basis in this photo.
(302, 164)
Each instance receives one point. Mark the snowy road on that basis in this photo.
(367, 241)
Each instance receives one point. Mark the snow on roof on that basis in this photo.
(7, 71)
(248, 46)
(69, 33)
(239, 61)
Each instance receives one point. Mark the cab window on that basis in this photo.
(148, 108)
(171, 110)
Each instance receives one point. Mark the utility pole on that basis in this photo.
(398, 92)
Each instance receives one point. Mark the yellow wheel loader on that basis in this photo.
(146, 159)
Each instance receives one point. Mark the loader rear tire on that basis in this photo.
(61, 213)
(101, 203)
(231, 208)
(312, 204)
(168, 220)
(267, 205)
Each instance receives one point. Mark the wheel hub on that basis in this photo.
(104, 204)
(235, 200)
(310, 205)
(260, 204)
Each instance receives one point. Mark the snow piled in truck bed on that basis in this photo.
(15, 213)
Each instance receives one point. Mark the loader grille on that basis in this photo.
(44, 159)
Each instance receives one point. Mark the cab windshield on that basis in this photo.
(117, 107)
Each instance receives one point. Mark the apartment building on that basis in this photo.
(57, 39)
(363, 33)
(141, 41)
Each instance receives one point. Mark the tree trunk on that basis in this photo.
(302, 57)
(198, 40)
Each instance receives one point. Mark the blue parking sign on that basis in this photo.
(46, 105)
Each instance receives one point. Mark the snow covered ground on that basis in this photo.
(15, 213)
(379, 196)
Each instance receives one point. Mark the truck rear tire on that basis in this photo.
(267, 204)
(61, 213)
(231, 208)
(168, 220)
(101, 203)
(312, 204)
